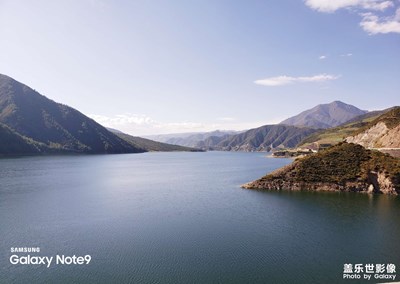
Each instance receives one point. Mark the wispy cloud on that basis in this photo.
(323, 57)
(371, 22)
(286, 80)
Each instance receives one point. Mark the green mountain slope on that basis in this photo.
(57, 126)
(13, 143)
(264, 138)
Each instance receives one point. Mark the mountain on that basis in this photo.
(332, 136)
(56, 126)
(382, 132)
(343, 167)
(212, 141)
(190, 139)
(325, 115)
(33, 124)
(150, 145)
(377, 129)
(263, 138)
(12, 143)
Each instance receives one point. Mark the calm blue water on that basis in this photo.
(183, 218)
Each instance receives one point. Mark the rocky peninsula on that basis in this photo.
(344, 167)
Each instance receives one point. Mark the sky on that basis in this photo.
(157, 66)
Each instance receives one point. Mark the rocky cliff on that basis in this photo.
(344, 167)
(378, 136)
(384, 132)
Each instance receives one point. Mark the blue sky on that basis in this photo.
(149, 67)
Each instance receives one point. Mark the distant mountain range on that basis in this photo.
(32, 123)
(264, 138)
(325, 115)
(150, 145)
(287, 134)
(190, 139)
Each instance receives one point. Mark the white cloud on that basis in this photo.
(377, 5)
(372, 24)
(346, 55)
(142, 125)
(322, 57)
(137, 124)
(286, 80)
(122, 119)
(329, 6)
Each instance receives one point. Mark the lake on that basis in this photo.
(183, 218)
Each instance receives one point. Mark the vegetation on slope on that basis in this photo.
(344, 162)
(57, 126)
(265, 138)
(390, 118)
(13, 143)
